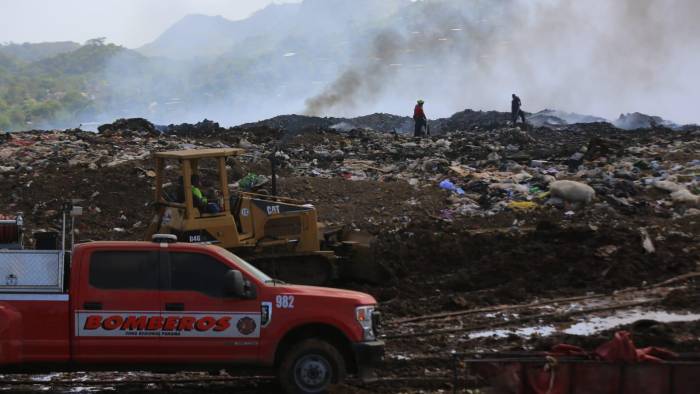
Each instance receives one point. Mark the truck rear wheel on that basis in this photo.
(311, 366)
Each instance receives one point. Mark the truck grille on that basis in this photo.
(376, 323)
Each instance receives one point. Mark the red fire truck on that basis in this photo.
(174, 306)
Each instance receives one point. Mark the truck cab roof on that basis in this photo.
(141, 245)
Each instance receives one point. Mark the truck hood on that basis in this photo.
(358, 297)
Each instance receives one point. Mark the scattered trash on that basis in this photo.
(522, 205)
(252, 181)
(685, 196)
(448, 185)
(606, 251)
(668, 186)
(572, 191)
(646, 241)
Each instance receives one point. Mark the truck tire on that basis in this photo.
(311, 366)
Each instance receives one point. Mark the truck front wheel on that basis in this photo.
(311, 366)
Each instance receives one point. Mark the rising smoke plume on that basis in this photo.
(361, 83)
(602, 57)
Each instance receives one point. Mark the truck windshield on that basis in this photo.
(249, 268)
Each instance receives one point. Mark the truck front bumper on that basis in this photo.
(367, 356)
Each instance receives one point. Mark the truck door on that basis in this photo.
(117, 314)
(206, 324)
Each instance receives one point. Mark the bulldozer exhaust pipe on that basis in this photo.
(273, 171)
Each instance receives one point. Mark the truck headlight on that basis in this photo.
(363, 314)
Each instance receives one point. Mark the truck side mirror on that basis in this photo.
(234, 284)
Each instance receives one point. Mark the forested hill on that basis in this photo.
(42, 83)
(33, 52)
(203, 66)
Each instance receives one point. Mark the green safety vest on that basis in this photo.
(198, 194)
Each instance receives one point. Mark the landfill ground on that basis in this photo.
(490, 261)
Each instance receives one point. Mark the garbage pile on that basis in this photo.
(469, 119)
(27, 153)
(199, 129)
(138, 125)
(511, 169)
(109, 174)
(626, 201)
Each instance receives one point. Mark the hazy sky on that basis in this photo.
(131, 23)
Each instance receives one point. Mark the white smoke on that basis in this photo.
(600, 57)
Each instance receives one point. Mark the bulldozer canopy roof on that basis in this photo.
(199, 153)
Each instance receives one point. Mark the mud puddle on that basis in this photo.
(589, 325)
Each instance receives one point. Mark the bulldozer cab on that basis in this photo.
(186, 208)
(281, 236)
(181, 194)
(231, 220)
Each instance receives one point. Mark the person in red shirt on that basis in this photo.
(420, 119)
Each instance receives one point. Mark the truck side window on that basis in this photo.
(197, 272)
(112, 270)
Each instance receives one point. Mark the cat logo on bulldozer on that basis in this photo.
(273, 210)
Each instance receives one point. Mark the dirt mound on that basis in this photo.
(293, 123)
(137, 125)
(514, 264)
(384, 122)
(686, 299)
(205, 128)
(366, 205)
(298, 123)
(469, 119)
(114, 201)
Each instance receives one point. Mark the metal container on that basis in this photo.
(32, 271)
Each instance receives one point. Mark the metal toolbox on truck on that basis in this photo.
(31, 271)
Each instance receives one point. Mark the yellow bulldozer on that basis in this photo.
(279, 235)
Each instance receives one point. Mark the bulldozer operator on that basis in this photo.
(198, 198)
(200, 201)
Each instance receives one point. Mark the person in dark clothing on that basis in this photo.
(515, 109)
(420, 119)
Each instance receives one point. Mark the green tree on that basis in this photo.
(99, 41)
(17, 118)
(5, 123)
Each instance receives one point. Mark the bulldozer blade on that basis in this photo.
(359, 265)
